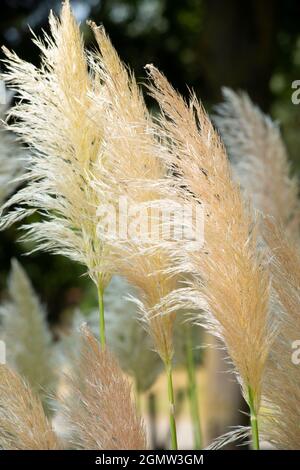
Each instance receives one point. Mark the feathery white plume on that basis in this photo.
(229, 279)
(23, 424)
(135, 174)
(280, 414)
(259, 159)
(99, 408)
(56, 117)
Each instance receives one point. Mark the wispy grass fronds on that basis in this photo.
(284, 264)
(261, 163)
(127, 338)
(135, 169)
(134, 175)
(23, 424)
(10, 159)
(280, 411)
(229, 280)
(27, 337)
(238, 433)
(100, 410)
(56, 118)
(259, 159)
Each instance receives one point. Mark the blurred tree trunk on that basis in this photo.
(223, 399)
(237, 47)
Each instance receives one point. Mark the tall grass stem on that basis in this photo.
(193, 389)
(101, 317)
(173, 431)
(253, 419)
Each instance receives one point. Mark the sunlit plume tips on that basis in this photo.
(228, 278)
(56, 117)
(136, 173)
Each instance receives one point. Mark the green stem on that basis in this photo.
(101, 317)
(253, 418)
(193, 392)
(171, 406)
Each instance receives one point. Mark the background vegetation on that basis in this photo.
(200, 44)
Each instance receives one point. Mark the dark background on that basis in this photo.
(202, 44)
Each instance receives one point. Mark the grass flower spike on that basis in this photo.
(91, 141)
(99, 409)
(255, 146)
(229, 280)
(135, 165)
(135, 174)
(280, 411)
(56, 118)
(23, 424)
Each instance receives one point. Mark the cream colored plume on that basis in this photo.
(91, 141)
(23, 424)
(229, 280)
(135, 173)
(259, 159)
(261, 162)
(25, 332)
(99, 409)
(280, 412)
(56, 118)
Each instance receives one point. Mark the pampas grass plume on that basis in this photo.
(229, 279)
(99, 409)
(135, 173)
(23, 424)
(27, 337)
(259, 159)
(280, 411)
(261, 164)
(55, 117)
